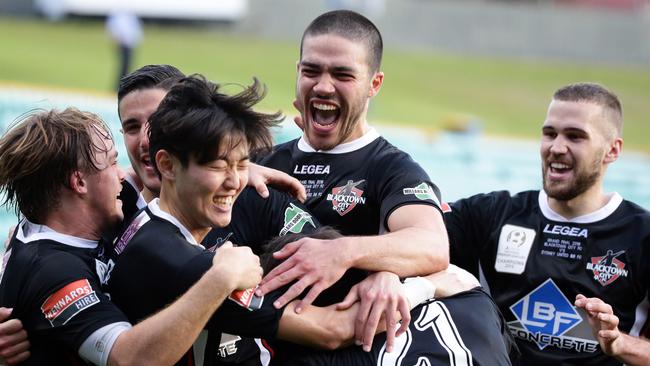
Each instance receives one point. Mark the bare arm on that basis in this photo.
(604, 324)
(163, 338)
(416, 245)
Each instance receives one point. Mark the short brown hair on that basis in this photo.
(596, 94)
(40, 152)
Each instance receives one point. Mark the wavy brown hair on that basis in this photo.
(39, 153)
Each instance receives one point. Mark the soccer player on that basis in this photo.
(59, 170)
(537, 250)
(356, 181)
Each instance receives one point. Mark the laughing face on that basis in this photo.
(205, 193)
(573, 149)
(333, 89)
(135, 109)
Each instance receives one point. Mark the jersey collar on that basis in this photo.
(370, 136)
(615, 200)
(141, 202)
(30, 232)
(155, 209)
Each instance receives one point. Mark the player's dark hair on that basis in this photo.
(268, 262)
(41, 151)
(596, 94)
(195, 119)
(352, 26)
(148, 77)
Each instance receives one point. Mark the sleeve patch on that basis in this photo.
(247, 299)
(422, 192)
(69, 301)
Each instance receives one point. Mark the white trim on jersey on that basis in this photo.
(199, 346)
(141, 202)
(29, 232)
(370, 136)
(98, 345)
(615, 200)
(155, 209)
(265, 355)
(640, 317)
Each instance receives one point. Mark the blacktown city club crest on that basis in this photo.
(607, 268)
(345, 198)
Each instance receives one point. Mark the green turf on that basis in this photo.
(421, 89)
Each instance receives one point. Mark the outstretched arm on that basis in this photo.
(604, 324)
(416, 245)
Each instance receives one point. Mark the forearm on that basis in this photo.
(163, 338)
(411, 251)
(633, 351)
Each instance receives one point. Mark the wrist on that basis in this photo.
(418, 290)
(344, 247)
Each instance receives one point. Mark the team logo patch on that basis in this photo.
(607, 268)
(546, 315)
(422, 192)
(345, 198)
(295, 220)
(69, 301)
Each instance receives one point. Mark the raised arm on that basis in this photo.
(260, 176)
(163, 338)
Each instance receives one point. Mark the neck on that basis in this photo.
(169, 204)
(148, 195)
(590, 201)
(74, 220)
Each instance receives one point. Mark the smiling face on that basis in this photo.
(104, 185)
(205, 193)
(574, 148)
(135, 109)
(333, 89)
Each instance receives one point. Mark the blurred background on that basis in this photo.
(467, 81)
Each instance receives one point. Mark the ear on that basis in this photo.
(78, 182)
(614, 151)
(165, 162)
(376, 83)
(298, 66)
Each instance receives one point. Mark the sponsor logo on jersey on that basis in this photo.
(345, 198)
(607, 268)
(228, 344)
(545, 316)
(311, 169)
(134, 226)
(566, 230)
(445, 207)
(295, 220)
(247, 298)
(422, 192)
(69, 301)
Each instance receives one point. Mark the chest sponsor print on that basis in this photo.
(295, 220)
(547, 318)
(607, 268)
(69, 301)
(345, 198)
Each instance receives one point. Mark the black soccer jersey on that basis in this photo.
(256, 220)
(466, 329)
(51, 282)
(536, 261)
(357, 185)
(155, 260)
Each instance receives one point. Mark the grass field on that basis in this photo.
(426, 90)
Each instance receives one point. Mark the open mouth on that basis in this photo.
(223, 202)
(324, 114)
(557, 170)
